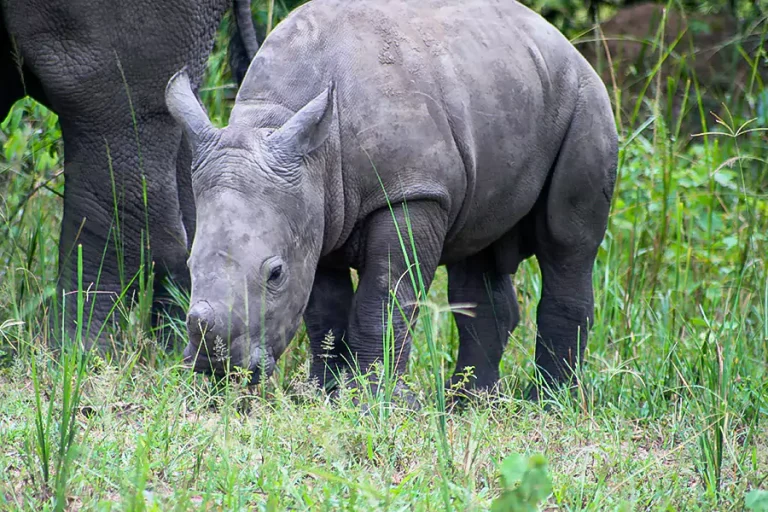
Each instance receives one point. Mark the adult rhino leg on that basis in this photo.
(570, 224)
(483, 336)
(326, 319)
(164, 301)
(104, 67)
(384, 308)
(123, 212)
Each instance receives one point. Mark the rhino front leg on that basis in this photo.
(327, 313)
(482, 337)
(384, 308)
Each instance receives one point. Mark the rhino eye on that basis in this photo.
(275, 274)
(274, 271)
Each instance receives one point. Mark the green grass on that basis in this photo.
(670, 412)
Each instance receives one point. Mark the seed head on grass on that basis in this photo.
(327, 345)
(219, 349)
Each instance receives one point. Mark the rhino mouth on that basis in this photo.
(199, 360)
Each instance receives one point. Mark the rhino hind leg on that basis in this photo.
(326, 320)
(570, 222)
(482, 337)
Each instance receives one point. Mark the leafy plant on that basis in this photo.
(756, 501)
(525, 483)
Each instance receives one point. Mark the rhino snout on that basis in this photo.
(200, 319)
(211, 335)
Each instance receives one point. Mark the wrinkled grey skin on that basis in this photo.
(97, 64)
(477, 117)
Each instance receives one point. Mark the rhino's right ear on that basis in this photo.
(185, 109)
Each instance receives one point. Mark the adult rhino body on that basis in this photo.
(102, 66)
(488, 134)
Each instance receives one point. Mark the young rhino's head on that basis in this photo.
(259, 232)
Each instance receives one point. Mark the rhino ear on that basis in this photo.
(185, 109)
(307, 130)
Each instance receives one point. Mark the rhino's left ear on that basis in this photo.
(307, 130)
(186, 109)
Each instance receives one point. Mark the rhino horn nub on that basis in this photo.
(185, 109)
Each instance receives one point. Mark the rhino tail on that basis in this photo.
(243, 39)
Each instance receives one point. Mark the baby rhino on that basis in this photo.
(393, 136)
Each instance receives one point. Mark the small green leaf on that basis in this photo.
(725, 179)
(513, 469)
(756, 500)
(526, 484)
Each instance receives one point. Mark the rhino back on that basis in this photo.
(465, 103)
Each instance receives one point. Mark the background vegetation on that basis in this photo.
(670, 412)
